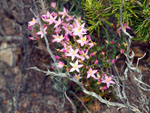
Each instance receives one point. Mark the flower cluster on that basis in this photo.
(75, 45)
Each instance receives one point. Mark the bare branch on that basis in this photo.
(73, 106)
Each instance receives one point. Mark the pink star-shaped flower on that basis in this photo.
(64, 13)
(51, 19)
(67, 28)
(82, 41)
(57, 23)
(107, 80)
(84, 55)
(57, 38)
(33, 22)
(41, 33)
(79, 29)
(60, 64)
(91, 73)
(125, 26)
(73, 53)
(75, 66)
(78, 77)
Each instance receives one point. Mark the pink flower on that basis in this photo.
(113, 61)
(90, 44)
(79, 29)
(121, 51)
(107, 80)
(78, 77)
(91, 73)
(92, 54)
(96, 62)
(67, 28)
(64, 13)
(89, 37)
(57, 57)
(32, 38)
(103, 88)
(57, 30)
(53, 4)
(66, 38)
(65, 49)
(84, 55)
(54, 14)
(75, 66)
(57, 38)
(82, 41)
(73, 53)
(33, 22)
(29, 27)
(111, 42)
(60, 64)
(57, 23)
(41, 33)
(51, 19)
(125, 26)
(69, 18)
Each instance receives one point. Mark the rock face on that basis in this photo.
(6, 53)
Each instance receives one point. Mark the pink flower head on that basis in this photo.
(57, 38)
(81, 52)
(89, 38)
(107, 80)
(75, 66)
(79, 29)
(57, 30)
(32, 38)
(53, 4)
(73, 53)
(51, 19)
(64, 13)
(84, 55)
(41, 33)
(113, 61)
(67, 28)
(66, 49)
(112, 42)
(125, 26)
(103, 88)
(121, 51)
(91, 73)
(57, 57)
(69, 18)
(78, 77)
(33, 22)
(57, 23)
(60, 64)
(45, 16)
(96, 62)
(99, 77)
(92, 54)
(66, 38)
(54, 14)
(82, 41)
(90, 44)
(29, 27)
